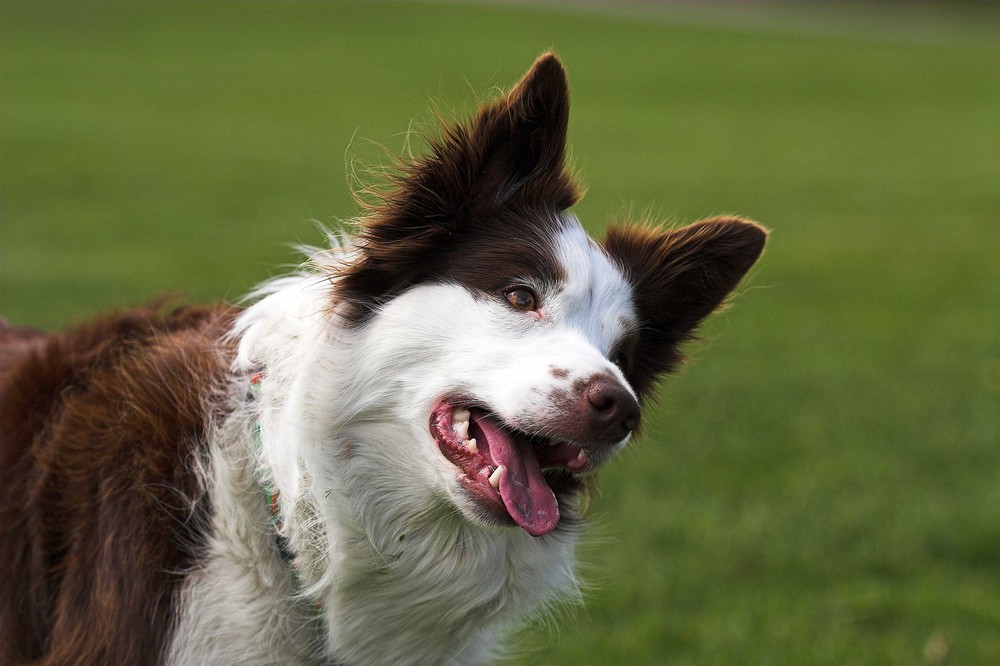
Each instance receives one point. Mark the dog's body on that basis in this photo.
(379, 461)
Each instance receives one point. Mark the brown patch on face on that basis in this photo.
(101, 511)
(478, 207)
(679, 277)
(559, 373)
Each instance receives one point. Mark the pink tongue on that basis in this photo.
(528, 498)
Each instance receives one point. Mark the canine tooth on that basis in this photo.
(460, 414)
(461, 429)
(471, 445)
(495, 476)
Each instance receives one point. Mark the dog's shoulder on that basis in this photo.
(137, 368)
(102, 432)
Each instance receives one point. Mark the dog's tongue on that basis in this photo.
(528, 498)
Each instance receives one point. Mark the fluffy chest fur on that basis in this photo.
(381, 459)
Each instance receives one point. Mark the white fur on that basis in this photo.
(385, 540)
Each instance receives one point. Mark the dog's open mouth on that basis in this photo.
(503, 467)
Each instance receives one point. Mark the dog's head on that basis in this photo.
(520, 347)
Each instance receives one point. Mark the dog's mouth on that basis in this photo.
(513, 474)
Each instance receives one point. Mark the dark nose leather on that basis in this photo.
(611, 411)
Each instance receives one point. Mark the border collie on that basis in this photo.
(381, 459)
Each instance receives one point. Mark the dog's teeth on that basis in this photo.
(581, 455)
(495, 476)
(460, 414)
(461, 429)
(471, 445)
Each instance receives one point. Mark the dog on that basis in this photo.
(381, 459)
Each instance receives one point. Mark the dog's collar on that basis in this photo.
(271, 494)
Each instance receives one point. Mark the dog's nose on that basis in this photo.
(613, 412)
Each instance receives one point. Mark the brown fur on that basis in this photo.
(101, 512)
(680, 277)
(494, 184)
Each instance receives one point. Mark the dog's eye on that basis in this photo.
(521, 298)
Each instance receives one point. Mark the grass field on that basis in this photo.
(822, 484)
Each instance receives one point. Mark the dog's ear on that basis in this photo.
(516, 146)
(679, 277)
(510, 158)
(511, 152)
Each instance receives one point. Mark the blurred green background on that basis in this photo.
(822, 484)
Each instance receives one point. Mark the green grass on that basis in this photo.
(821, 485)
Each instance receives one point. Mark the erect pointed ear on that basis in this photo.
(679, 277)
(518, 144)
(509, 158)
(512, 151)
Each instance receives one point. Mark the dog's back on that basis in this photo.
(100, 432)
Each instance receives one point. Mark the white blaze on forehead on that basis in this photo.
(595, 299)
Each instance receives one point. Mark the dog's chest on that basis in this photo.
(440, 597)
